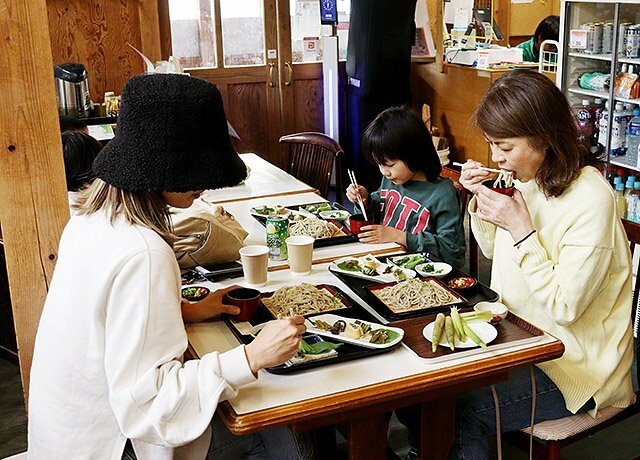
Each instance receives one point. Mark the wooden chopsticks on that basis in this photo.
(354, 182)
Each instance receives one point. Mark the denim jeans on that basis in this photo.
(476, 416)
(277, 444)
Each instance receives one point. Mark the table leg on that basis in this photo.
(367, 438)
(438, 424)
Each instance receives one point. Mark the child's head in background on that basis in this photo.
(79, 150)
(400, 144)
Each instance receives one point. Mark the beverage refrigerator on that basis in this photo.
(598, 58)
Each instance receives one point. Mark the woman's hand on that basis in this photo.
(353, 192)
(510, 214)
(277, 342)
(472, 176)
(373, 234)
(209, 307)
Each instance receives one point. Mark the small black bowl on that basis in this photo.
(195, 293)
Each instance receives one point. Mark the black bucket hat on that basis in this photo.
(172, 136)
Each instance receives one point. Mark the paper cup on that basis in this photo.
(255, 260)
(300, 249)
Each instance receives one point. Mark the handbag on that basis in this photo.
(206, 235)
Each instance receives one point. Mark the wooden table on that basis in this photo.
(257, 233)
(264, 180)
(362, 393)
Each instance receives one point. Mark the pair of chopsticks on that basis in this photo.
(354, 182)
(455, 163)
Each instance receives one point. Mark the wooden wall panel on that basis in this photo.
(249, 116)
(309, 106)
(96, 32)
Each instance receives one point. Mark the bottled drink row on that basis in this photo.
(594, 116)
(626, 186)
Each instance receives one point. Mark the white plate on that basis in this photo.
(363, 342)
(394, 259)
(485, 331)
(336, 214)
(288, 213)
(381, 277)
(440, 269)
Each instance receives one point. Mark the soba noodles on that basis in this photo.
(414, 294)
(316, 228)
(504, 179)
(301, 300)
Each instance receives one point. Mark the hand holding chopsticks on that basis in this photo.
(352, 178)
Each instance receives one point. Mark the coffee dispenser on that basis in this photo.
(72, 90)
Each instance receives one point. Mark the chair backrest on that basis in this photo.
(633, 235)
(311, 159)
(464, 197)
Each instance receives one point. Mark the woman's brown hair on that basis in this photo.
(527, 104)
(136, 207)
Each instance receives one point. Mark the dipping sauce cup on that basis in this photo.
(503, 190)
(356, 222)
(248, 300)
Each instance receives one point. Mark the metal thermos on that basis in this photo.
(72, 90)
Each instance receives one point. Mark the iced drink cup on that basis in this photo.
(300, 253)
(255, 261)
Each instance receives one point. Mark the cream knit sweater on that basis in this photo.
(572, 278)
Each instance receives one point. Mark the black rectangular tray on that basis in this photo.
(480, 293)
(346, 352)
(348, 238)
(215, 272)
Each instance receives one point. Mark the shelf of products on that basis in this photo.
(599, 75)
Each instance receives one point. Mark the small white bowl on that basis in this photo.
(335, 214)
(440, 269)
(497, 308)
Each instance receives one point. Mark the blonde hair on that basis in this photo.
(144, 208)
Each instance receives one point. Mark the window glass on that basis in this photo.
(306, 29)
(242, 32)
(193, 32)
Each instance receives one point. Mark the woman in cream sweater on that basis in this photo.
(561, 261)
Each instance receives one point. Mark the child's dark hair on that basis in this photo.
(398, 133)
(548, 29)
(79, 151)
(71, 124)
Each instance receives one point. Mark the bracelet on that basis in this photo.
(528, 235)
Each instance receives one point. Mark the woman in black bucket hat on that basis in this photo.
(107, 364)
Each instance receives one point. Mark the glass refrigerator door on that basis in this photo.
(598, 48)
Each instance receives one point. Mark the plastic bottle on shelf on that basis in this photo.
(584, 118)
(603, 119)
(628, 186)
(596, 110)
(633, 203)
(633, 138)
(618, 131)
(621, 202)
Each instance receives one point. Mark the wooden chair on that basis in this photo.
(551, 436)
(311, 159)
(464, 197)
